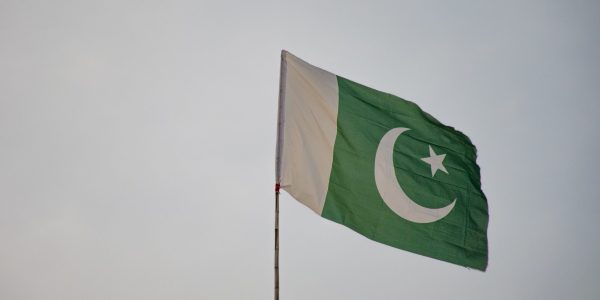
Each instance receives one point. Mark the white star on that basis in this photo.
(435, 161)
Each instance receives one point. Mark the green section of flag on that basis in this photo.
(364, 116)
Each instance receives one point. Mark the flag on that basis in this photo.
(379, 165)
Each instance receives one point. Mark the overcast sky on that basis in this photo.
(137, 144)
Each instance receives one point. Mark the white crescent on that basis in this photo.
(391, 191)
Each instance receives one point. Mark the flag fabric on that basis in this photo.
(379, 165)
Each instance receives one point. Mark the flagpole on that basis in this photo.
(278, 150)
(276, 241)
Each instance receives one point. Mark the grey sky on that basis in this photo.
(137, 146)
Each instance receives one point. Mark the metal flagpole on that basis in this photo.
(277, 241)
(280, 121)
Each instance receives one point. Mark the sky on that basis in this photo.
(137, 143)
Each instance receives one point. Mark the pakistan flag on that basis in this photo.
(379, 165)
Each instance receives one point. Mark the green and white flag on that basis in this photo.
(379, 165)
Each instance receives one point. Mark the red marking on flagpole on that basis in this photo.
(277, 186)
